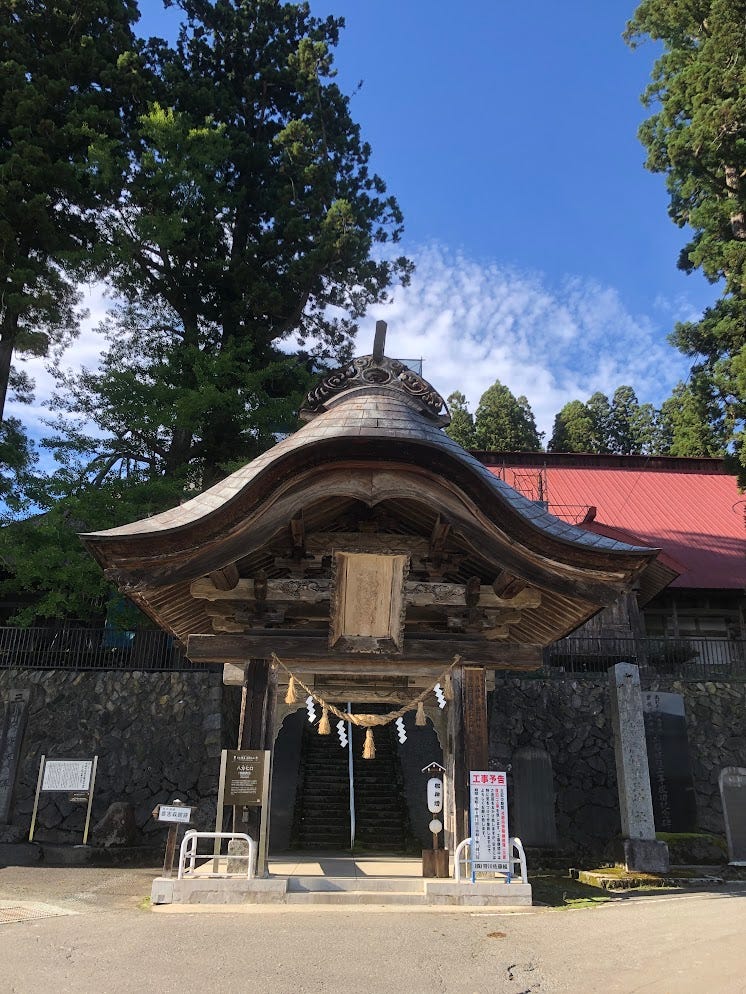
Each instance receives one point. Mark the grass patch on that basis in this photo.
(563, 893)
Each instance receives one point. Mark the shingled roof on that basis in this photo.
(374, 437)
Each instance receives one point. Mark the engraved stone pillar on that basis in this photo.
(641, 850)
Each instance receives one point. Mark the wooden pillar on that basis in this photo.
(256, 732)
(471, 744)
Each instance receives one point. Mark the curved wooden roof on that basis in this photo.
(380, 442)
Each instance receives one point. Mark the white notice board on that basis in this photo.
(488, 813)
(67, 775)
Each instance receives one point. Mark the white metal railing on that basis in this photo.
(460, 856)
(189, 846)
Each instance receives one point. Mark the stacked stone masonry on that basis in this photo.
(571, 720)
(157, 735)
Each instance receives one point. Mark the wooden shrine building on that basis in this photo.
(366, 551)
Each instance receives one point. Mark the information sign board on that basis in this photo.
(488, 812)
(244, 778)
(174, 813)
(67, 775)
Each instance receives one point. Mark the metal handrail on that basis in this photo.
(515, 843)
(190, 843)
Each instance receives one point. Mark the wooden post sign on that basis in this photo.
(75, 777)
(174, 814)
(435, 860)
(488, 815)
(244, 782)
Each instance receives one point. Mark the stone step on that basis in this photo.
(355, 897)
(304, 884)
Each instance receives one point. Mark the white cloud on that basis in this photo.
(85, 351)
(473, 323)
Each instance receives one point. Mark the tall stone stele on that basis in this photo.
(641, 850)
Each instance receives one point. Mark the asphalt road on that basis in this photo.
(100, 939)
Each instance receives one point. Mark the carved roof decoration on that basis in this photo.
(379, 371)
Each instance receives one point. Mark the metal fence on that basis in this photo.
(154, 650)
(683, 658)
(92, 649)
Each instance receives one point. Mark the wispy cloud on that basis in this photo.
(475, 322)
(85, 352)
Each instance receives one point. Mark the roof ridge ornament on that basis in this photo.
(376, 370)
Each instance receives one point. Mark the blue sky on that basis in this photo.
(508, 133)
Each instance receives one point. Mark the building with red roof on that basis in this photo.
(690, 509)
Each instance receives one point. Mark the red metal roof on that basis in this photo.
(690, 509)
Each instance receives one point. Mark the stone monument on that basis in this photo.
(533, 797)
(642, 852)
(732, 782)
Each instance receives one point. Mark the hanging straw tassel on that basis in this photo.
(448, 687)
(324, 726)
(291, 697)
(420, 720)
(369, 749)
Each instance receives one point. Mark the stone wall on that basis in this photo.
(158, 736)
(716, 727)
(571, 720)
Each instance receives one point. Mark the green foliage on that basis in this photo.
(237, 221)
(599, 409)
(247, 229)
(504, 422)
(17, 461)
(623, 427)
(461, 428)
(696, 136)
(691, 422)
(62, 71)
(44, 558)
(573, 429)
(632, 427)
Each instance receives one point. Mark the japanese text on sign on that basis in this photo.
(67, 775)
(244, 778)
(174, 813)
(488, 810)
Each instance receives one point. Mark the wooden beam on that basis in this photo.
(226, 578)
(313, 648)
(508, 586)
(438, 539)
(379, 340)
(418, 593)
(474, 691)
(298, 535)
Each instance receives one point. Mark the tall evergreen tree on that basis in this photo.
(66, 71)
(249, 222)
(691, 422)
(695, 136)
(247, 225)
(599, 409)
(504, 422)
(573, 429)
(461, 428)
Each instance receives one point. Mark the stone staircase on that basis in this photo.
(322, 807)
(322, 810)
(380, 809)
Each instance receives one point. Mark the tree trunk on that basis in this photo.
(7, 342)
(737, 219)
